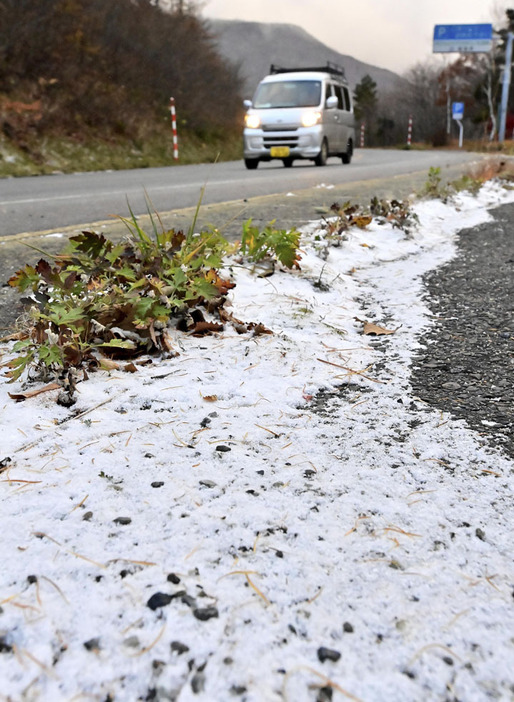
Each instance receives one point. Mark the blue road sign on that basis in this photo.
(457, 110)
(463, 38)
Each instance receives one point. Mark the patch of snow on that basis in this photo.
(286, 494)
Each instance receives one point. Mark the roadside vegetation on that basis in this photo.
(98, 300)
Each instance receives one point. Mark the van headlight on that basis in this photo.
(309, 119)
(252, 121)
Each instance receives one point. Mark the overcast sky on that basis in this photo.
(392, 34)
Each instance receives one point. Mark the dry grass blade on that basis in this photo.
(150, 646)
(254, 587)
(429, 647)
(129, 560)
(181, 441)
(91, 409)
(457, 617)
(419, 492)
(48, 671)
(79, 504)
(25, 606)
(315, 597)
(61, 593)
(437, 460)
(327, 682)
(42, 535)
(9, 599)
(351, 370)
(398, 530)
(274, 433)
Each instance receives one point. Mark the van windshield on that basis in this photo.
(288, 93)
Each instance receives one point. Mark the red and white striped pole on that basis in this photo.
(174, 128)
(409, 132)
(363, 129)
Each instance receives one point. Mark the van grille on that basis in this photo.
(277, 128)
(270, 141)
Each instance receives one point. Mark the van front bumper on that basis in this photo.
(304, 142)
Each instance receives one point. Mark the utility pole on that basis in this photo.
(448, 106)
(505, 87)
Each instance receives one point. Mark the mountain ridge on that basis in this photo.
(254, 46)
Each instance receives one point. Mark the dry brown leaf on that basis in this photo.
(167, 344)
(152, 334)
(259, 329)
(20, 396)
(362, 221)
(210, 398)
(108, 365)
(202, 328)
(374, 329)
(130, 368)
(18, 336)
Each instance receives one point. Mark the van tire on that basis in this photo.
(321, 158)
(347, 157)
(288, 162)
(251, 163)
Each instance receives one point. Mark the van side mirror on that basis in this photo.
(247, 104)
(332, 102)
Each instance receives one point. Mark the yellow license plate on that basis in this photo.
(279, 151)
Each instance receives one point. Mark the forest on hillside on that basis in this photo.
(83, 68)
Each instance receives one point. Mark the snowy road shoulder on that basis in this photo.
(265, 518)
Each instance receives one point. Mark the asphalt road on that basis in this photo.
(465, 362)
(45, 203)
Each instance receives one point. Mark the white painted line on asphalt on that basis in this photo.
(110, 193)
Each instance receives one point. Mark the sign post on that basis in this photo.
(475, 38)
(505, 87)
(458, 115)
(174, 128)
(463, 38)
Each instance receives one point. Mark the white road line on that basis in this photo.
(111, 193)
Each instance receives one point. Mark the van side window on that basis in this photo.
(339, 95)
(348, 104)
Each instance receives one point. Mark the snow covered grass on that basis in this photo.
(265, 518)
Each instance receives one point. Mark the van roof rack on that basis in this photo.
(330, 67)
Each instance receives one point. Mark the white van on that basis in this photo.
(300, 113)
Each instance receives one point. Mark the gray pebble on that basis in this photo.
(179, 648)
(159, 599)
(328, 654)
(92, 645)
(205, 613)
(208, 483)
